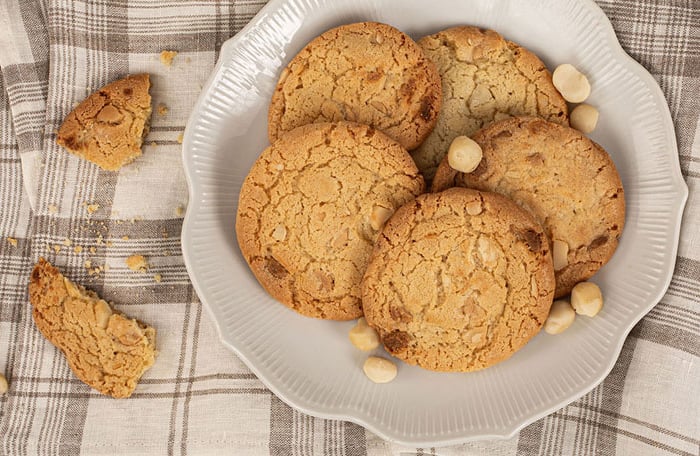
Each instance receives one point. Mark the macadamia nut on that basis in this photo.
(464, 154)
(379, 216)
(3, 384)
(379, 370)
(561, 315)
(279, 233)
(586, 299)
(560, 252)
(474, 208)
(584, 118)
(571, 83)
(363, 336)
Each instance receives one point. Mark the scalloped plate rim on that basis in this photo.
(680, 189)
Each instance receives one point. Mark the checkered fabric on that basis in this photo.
(199, 398)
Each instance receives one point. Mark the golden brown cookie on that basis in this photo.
(108, 127)
(568, 182)
(365, 72)
(310, 209)
(104, 349)
(458, 281)
(484, 78)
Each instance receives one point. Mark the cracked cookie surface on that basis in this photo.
(484, 78)
(108, 127)
(106, 350)
(568, 182)
(458, 281)
(366, 72)
(310, 209)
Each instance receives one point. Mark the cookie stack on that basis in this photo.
(333, 217)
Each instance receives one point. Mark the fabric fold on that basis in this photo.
(24, 61)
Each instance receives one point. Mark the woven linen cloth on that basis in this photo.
(199, 398)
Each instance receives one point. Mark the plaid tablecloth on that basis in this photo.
(198, 398)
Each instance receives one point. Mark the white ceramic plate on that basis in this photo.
(309, 363)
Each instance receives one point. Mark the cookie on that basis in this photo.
(365, 72)
(568, 182)
(106, 350)
(458, 281)
(108, 127)
(484, 78)
(310, 210)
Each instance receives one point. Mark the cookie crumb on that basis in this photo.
(78, 249)
(125, 238)
(166, 57)
(154, 144)
(180, 138)
(162, 109)
(158, 278)
(137, 263)
(180, 211)
(87, 264)
(3, 385)
(12, 241)
(91, 207)
(93, 250)
(52, 209)
(56, 248)
(67, 242)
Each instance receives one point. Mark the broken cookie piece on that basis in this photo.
(108, 127)
(106, 350)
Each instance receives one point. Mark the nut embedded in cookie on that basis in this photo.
(108, 127)
(106, 350)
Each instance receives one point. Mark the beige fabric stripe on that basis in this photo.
(197, 307)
